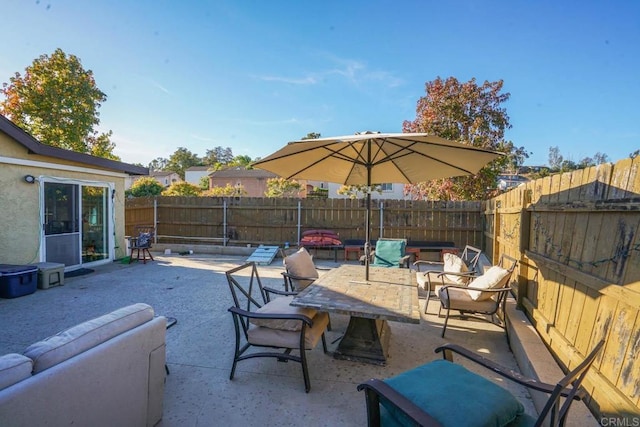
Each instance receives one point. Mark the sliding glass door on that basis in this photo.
(76, 223)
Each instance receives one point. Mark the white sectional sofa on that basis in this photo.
(109, 371)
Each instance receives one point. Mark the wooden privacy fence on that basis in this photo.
(577, 237)
(271, 221)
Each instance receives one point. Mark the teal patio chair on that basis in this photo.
(389, 253)
(443, 393)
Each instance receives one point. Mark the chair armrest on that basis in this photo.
(495, 290)
(510, 374)
(294, 277)
(375, 388)
(253, 315)
(433, 264)
(451, 273)
(269, 291)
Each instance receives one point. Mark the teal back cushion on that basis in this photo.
(453, 395)
(389, 252)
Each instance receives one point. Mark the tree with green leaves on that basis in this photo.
(555, 158)
(557, 162)
(312, 135)
(280, 187)
(218, 155)
(226, 191)
(204, 182)
(145, 187)
(241, 160)
(182, 188)
(471, 114)
(158, 164)
(357, 191)
(57, 101)
(181, 160)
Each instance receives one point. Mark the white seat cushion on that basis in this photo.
(454, 264)
(258, 335)
(491, 279)
(301, 264)
(281, 306)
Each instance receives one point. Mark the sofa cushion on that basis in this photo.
(13, 369)
(73, 341)
(281, 306)
(492, 278)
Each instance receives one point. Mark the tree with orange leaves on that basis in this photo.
(471, 114)
(57, 101)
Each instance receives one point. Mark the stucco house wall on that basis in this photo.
(396, 193)
(193, 174)
(254, 181)
(21, 225)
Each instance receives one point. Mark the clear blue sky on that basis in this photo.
(253, 75)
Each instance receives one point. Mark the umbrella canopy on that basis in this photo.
(374, 158)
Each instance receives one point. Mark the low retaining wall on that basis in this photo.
(535, 361)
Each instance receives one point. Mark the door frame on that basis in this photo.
(110, 209)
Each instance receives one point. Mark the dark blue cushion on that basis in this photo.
(453, 395)
(144, 240)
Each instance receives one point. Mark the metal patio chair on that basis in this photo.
(267, 323)
(429, 275)
(485, 294)
(443, 393)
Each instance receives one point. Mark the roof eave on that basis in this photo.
(35, 147)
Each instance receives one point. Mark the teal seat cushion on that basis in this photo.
(452, 395)
(389, 252)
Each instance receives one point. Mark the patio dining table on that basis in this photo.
(389, 294)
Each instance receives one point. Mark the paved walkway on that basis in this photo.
(193, 289)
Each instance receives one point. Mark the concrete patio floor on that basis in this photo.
(264, 392)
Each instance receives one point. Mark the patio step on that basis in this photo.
(263, 255)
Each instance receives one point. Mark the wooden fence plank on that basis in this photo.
(576, 311)
(628, 383)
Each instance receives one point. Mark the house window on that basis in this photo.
(386, 187)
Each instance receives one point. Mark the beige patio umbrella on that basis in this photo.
(374, 158)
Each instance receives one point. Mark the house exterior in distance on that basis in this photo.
(254, 181)
(389, 192)
(194, 174)
(506, 182)
(58, 205)
(166, 178)
(163, 177)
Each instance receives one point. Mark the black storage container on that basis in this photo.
(17, 280)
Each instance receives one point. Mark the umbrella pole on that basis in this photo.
(367, 244)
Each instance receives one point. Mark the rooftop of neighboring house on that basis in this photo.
(161, 173)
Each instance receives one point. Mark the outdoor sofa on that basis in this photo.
(109, 371)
